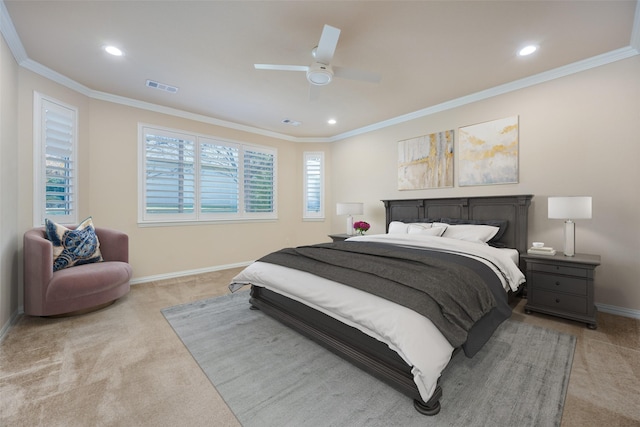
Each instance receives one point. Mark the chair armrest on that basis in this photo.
(38, 260)
(114, 244)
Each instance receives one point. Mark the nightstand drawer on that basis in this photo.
(559, 269)
(571, 285)
(560, 302)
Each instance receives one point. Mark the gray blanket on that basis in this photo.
(461, 296)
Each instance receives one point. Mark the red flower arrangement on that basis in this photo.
(361, 226)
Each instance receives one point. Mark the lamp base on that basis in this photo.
(569, 238)
(349, 225)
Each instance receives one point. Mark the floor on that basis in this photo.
(124, 366)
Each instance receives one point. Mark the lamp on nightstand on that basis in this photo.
(349, 208)
(569, 208)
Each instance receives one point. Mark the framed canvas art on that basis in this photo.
(488, 153)
(426, 161)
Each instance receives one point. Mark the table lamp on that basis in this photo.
(349, 208)
(569, 208)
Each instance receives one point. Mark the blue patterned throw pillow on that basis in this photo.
(73, 247)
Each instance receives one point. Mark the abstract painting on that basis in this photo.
(489, 153)
(426, 161)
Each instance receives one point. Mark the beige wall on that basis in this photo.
(162, 250)
(108, 150)
(9, 233)
(579, 135)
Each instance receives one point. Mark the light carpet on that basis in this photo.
(270, 375)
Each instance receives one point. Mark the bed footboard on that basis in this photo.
(367, 353)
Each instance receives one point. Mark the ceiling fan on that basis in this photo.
(321, 72)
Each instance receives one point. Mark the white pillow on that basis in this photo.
(397, 227)
(417, 227)
(471, 232)
(433, 231)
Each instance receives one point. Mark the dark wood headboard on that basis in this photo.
(514, 209)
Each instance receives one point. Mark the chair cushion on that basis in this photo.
(73, 247)
(87, 280)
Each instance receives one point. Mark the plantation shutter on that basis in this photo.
(185, 177)
(169, 174)
(59, 174)
(313, 185)
(219, 178)
(259, 182)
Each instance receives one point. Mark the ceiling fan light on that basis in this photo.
(319, 78)
(319, 74)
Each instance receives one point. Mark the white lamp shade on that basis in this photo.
(349, 208)
(569, 207)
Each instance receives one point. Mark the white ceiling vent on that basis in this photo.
(291, 122)
(162, 86)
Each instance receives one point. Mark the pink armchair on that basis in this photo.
(79, 288)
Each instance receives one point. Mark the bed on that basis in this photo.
(399, 345)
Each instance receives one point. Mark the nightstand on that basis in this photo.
(339, 237)
(562, 286)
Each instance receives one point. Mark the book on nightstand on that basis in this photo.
(545, 250)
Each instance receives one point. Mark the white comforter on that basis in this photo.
(411, 335)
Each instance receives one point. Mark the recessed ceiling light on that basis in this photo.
(527, 50)
(332, 121)
(113, 50)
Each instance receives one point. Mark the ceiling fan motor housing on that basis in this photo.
(320, 74)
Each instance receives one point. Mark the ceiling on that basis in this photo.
(427, 53)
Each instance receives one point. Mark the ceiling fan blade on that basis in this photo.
(281, 67)
(327, 45)
(353, 74)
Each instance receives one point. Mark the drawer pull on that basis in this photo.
(557, 300)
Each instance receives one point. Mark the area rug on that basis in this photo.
(270, 375)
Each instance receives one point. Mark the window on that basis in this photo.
(313, 185)
(55, 167)
(219, 171)
(169, 169)
(188, 177)
(258, 181)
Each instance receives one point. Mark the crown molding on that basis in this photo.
(15, 45)
(546, 76)
(103, 96)
(54, 76)
(11, 35)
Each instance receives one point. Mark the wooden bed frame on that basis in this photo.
(368, 353)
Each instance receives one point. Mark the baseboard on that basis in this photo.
(605, 308)
(12, 321)
(619, 311)
(184, 273)
(15, 316)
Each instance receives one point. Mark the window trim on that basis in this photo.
(307, 214)
(151, 220)
(39, 161)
